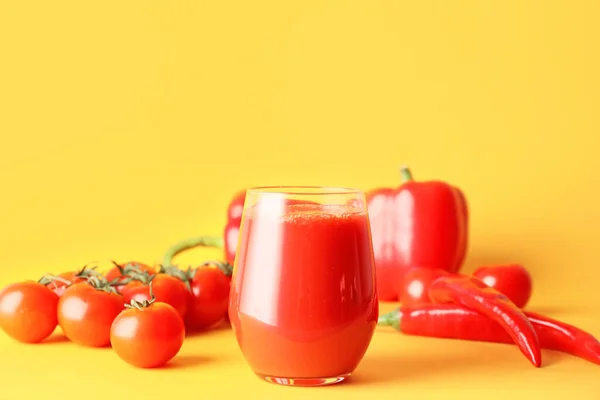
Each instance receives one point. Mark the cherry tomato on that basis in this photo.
(86, 311)
(59, 283)
(120, 272)
(415, 284)
(226, 318)
(512, 280)
(209, 298)
(28, 311)
(167, 289)
(147, 335)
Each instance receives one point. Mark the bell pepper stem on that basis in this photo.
(405, 174)
(200, 241)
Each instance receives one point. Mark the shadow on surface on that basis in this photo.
(382, 368)
(550, 357)
(219, 327)
(56, 338)
(187, 361)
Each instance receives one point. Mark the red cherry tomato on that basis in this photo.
(147, 335)
(86, 311)
(28, 311)
(415, 285)
(59, 283)
(209, 298)
(120, 272)
(512, 280)
(166, 289)
(226, 317)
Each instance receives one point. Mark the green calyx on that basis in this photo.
(184, 275)
(141, 276)
(187, 275)
(86, 271)
(48, 279)
(129, 269)
(391, 318)
(141, 305)
(129, 273)
(102, 284)
(83, 273)
(225, 267)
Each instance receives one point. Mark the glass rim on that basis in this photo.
(303, 190)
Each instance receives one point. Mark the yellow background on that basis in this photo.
(127, 125)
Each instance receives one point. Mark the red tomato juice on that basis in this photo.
(303, 301)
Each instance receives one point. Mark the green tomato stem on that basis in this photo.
(201, 241)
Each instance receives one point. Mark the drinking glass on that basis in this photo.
(303, 301)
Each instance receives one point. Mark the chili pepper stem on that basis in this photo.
(200, 241)
(405, 174)
(391, 318)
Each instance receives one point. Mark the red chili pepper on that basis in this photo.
(557, 335)
(453, 321)
(472, 293)
(419, 224)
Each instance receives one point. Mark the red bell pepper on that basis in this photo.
(419, 224)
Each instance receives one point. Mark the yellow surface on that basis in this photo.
(127, 125)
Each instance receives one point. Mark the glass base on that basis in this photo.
(304, 381)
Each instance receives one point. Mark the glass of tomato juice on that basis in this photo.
(303, 301)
